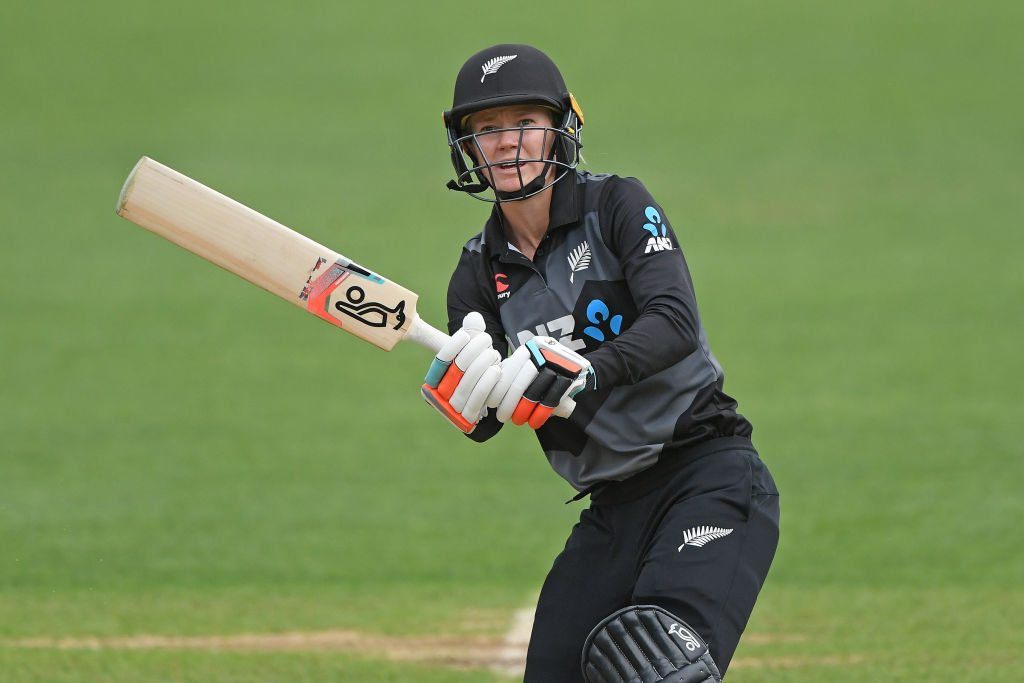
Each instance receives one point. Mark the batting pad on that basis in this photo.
(646, 644)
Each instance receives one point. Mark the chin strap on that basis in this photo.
(531, 188)
(476, 188)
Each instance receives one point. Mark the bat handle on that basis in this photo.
(564, 408)
(424, 334)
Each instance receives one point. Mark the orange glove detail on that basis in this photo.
(463, 374)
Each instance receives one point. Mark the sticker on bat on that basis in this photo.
(320, 298)
(316, 284)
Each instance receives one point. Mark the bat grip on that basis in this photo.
(426, 335)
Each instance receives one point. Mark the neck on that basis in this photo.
(526, 221)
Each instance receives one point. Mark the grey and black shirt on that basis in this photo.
(609, 280)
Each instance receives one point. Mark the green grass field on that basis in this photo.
(185, 460)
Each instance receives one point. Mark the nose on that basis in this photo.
(508, 139)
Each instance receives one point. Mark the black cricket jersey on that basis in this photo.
(608, 280)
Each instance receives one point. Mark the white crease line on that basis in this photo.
(513, 652)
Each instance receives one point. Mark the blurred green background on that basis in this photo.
(184, 455)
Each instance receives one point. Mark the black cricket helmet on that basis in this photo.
(503, 75)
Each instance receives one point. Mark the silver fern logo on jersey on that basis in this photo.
(700, 536)
(579, 259)
(492, 65)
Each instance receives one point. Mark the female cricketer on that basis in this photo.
(582, 277)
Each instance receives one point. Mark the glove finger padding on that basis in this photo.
(524, 375)
(477, 347)
(471, 377)
(548, 400)
(476, 405)
(509, 369)
(541, 377)
(540, 386)
(460, 377)
(472, 325)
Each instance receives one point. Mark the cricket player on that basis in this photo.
(576, 300)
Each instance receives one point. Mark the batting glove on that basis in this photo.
(540, 379)
(463, 374)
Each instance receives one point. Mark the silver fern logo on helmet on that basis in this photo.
(492, 65)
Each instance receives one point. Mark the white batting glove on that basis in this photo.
(463, 374)
(540, 379)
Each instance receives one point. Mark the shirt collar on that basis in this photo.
(564, 211)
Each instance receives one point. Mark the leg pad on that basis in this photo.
(646, 644)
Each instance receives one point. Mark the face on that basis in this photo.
(503, 136)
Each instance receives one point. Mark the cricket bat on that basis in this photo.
(278, 259)
(274, 257)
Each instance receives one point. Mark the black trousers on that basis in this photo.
(698, 546)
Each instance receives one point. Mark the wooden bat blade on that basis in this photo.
(272, 256)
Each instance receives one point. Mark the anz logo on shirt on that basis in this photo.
(598, 317)
(560, 328)
(659, 240)
(601, 325)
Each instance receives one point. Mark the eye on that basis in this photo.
(526, 122)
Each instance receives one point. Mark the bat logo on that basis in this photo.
(689, 640)
(322, 302)
(370, 313)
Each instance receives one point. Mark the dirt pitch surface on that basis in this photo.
(502, 654)
(455, 651)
